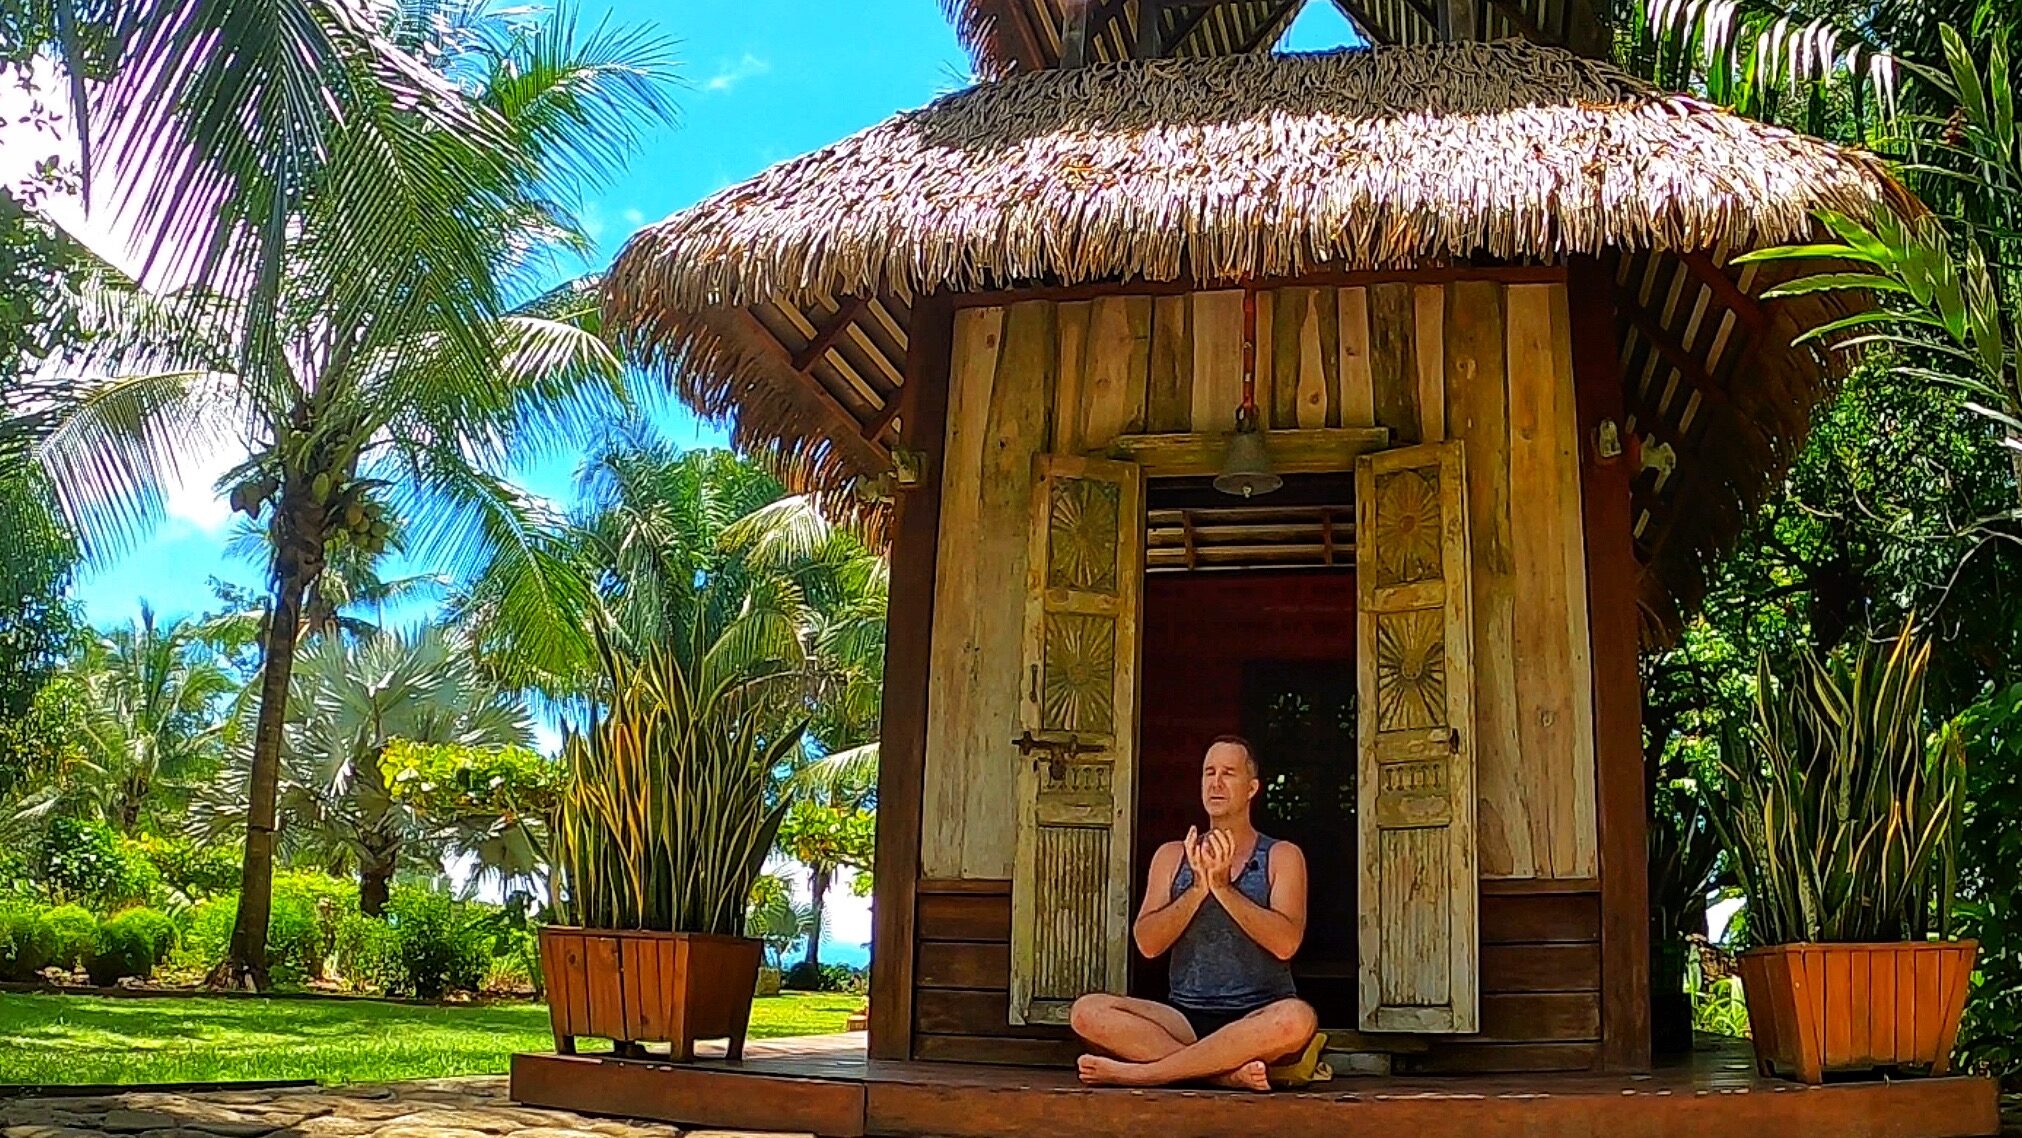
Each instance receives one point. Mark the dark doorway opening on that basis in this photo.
(1269, 654)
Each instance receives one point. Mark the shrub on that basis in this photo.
(323, 901)
(27, 942)
(126, 946)
(205, 934)
(76, 936)
(86, 862)
(368, 952)
(191, 870)
(155, 928)
(844, 978)
(806, 977)
(442, 944)
(295, 938)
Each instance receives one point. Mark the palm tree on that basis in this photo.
(150, 725)
(354, 222)
(350, 597)
(154, 713)
(353, 700)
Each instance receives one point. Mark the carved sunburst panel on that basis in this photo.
(1406, 541)
(1081, 526)
(1410, 670)
(1078, 689)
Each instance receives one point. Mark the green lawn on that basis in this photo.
(89, 1039)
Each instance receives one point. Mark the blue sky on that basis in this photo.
(762, 81)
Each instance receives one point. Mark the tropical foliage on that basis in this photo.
(671, 803)
(1841, 813)
(353, 203)
(354, 701)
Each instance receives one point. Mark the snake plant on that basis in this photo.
(1840, 816)
(671, 802)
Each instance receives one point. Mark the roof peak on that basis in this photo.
(1008, 37)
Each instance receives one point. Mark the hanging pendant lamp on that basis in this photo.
(1246, 468)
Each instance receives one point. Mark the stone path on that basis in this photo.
(432, 1108)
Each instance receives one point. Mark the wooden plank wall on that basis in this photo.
(1486, 361)
(1540, 1004)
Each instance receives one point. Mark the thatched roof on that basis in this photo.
(1005, 37)
(785, 299)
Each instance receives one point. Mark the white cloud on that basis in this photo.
(634, 217)
(729, 74)
(191, 496)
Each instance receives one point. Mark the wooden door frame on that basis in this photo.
(902, 727)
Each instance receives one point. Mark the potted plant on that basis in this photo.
(1841, 825)
(670, 807)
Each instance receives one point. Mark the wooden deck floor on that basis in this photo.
(826, 1087)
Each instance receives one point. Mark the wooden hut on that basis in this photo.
(1482, 297)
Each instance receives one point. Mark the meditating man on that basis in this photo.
(1230, 904)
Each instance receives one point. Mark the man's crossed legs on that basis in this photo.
(1153, 1045)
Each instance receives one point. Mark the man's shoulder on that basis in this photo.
(1280, 848)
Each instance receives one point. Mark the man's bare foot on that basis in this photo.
(1102, 1071)
(1248, 1077)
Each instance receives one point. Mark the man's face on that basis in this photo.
(1227, 784)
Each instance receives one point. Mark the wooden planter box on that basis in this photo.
(1814, 1008)
(649, 987)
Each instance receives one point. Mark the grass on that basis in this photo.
(90, 1039)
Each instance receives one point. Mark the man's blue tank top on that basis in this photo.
(1215, 965)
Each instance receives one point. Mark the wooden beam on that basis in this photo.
(1106, 19)
(1187, 24)
(1029, 50)
(1618, 709)
(1506, 274)
(1272, 27)
(1074, 37)
(909, 625)
(1457, 23)
(1667, 346)
(845, 430)
(1150, 29)
(1513, 11)
(826, 336)
(885, 415)
(1745, 307)
(1316, 450)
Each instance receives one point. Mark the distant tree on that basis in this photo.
(147, 725)
(354, 702)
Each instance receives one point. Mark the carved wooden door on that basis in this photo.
(1070, 889)
(1417, 925)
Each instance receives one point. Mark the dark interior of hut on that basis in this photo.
(1241, 642)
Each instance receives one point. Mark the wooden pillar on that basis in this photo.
(1618, 706)
(909, 624)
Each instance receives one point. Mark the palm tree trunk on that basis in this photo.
(297, 561)
(817, 887)
(129, 806)
(381, 854)
(375, 882)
